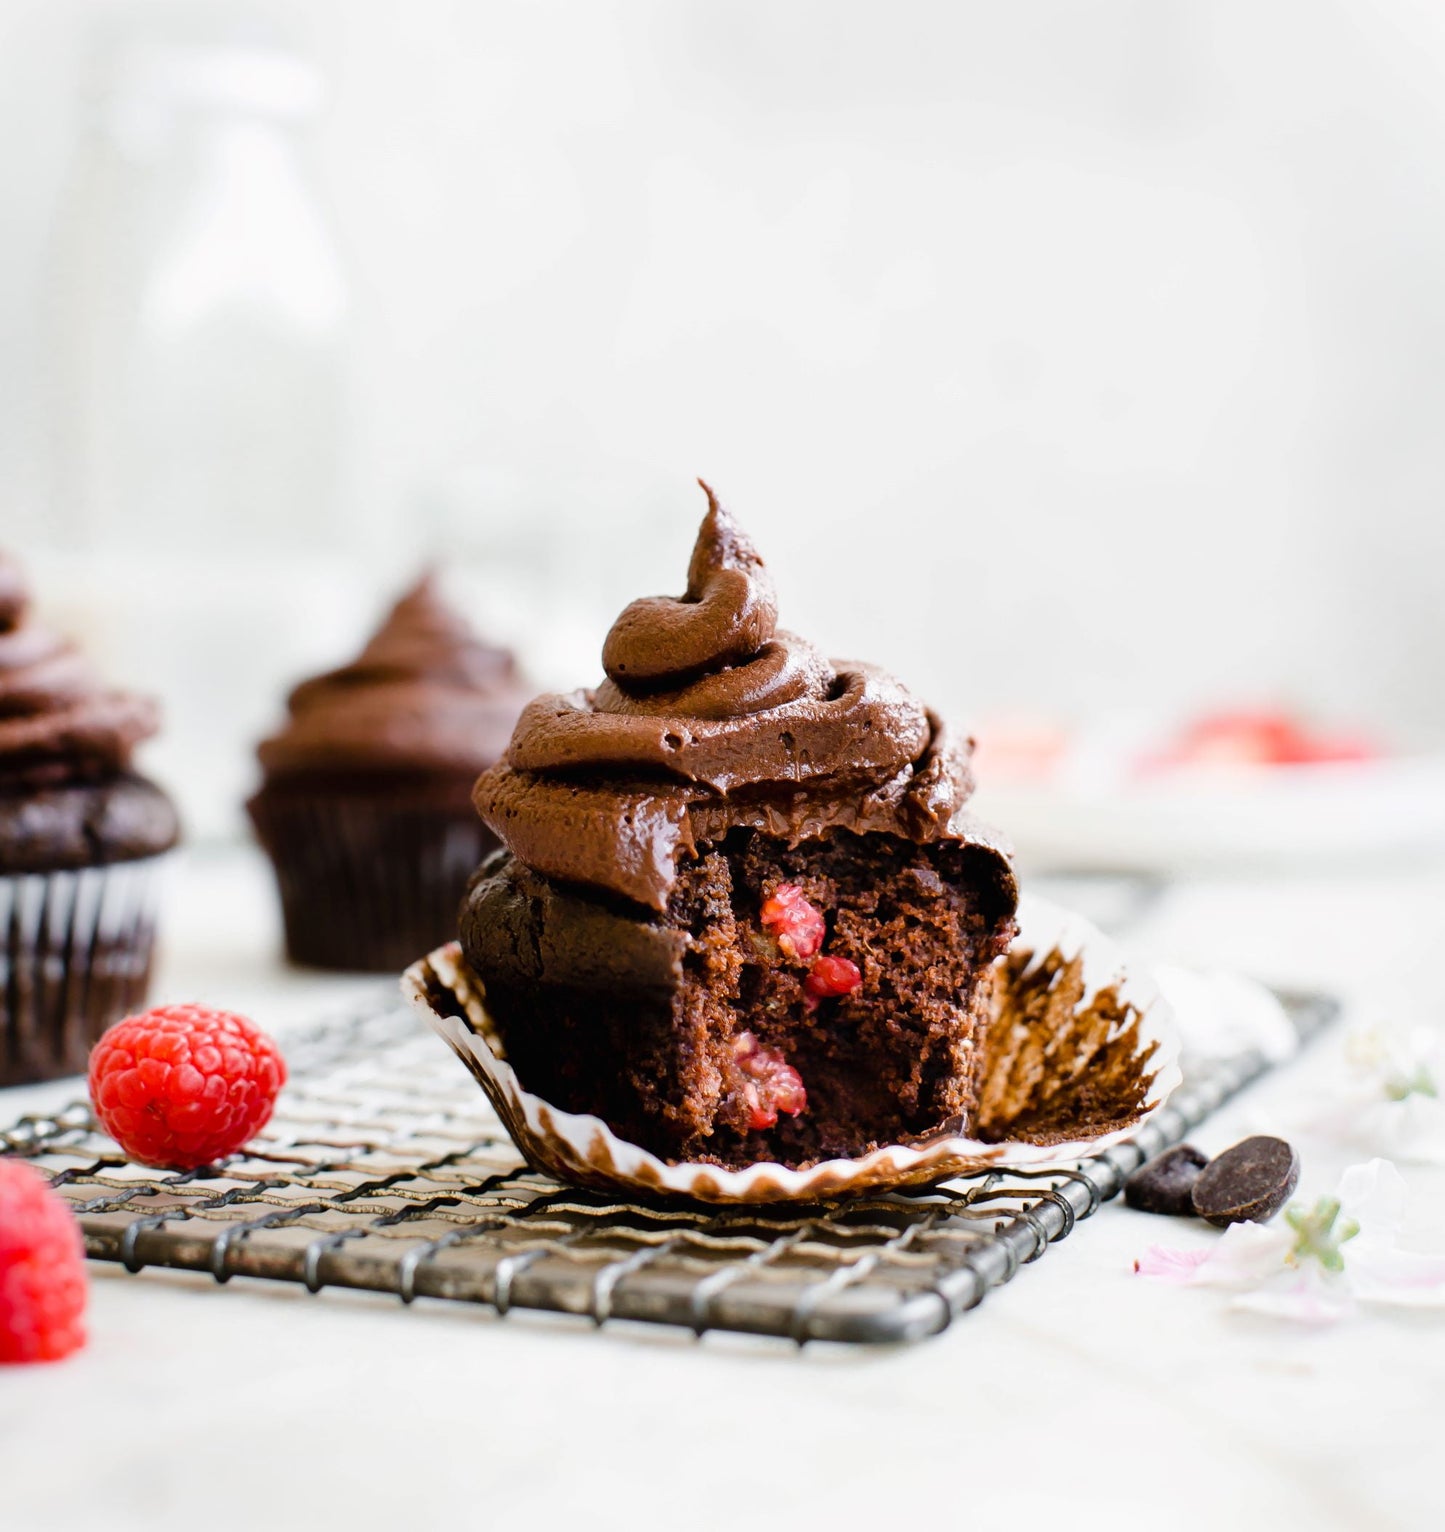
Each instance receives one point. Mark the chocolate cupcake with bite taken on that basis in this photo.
(741, 914)
(365, 808)
(81, 836)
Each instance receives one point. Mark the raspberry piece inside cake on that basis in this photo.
(772, 1085)
(796, 925)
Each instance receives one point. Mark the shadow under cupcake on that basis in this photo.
(365, 809)
(81, 836)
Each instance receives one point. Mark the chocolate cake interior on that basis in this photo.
(701, 1036)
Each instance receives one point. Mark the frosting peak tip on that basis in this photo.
(425, 590)
(426, 692)
(722, 544)
(725, 616)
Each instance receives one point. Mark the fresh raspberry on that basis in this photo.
(1258, 738)
(772, 1086)
(830, 976)
(184, 1086)
(42, 1270)
(796, 925)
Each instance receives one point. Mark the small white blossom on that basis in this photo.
(1316, 1264)
(1389, 1097)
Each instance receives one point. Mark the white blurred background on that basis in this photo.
(1066, 358)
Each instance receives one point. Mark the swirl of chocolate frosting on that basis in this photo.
(703, 688)
(57, 722)
(710, 718)
(727, 614)
(424, 694)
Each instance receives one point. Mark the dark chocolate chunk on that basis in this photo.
(1166, 1183)
(1249, 1183)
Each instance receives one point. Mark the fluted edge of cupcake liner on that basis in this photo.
(583, 1150)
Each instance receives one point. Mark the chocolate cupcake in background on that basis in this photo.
(365, 808)
(80, 838)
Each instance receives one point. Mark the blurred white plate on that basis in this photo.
(1208, 818)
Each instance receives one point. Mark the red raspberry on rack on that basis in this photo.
(183, 1086)
(42, 1270)
(796, 925)
(830, 976)
(772, 1085)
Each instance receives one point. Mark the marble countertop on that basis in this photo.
(1078, 1393)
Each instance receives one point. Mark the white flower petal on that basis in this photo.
(1418, 1048)
(1405, 1278)
(1366, 1048)
(1302, 1297)
(1363, 1105)
(1389, 1056)
(1412, 1130)
(1374, 1195)
(1245, 1255)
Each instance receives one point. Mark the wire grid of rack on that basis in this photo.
(384, 1169)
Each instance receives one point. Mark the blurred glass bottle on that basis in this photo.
(199, 301)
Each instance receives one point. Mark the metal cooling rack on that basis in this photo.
(386, 1170)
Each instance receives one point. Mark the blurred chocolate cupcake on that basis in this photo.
(365, 807)
(80, 839)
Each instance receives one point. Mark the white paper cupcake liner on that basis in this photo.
(75, 955)
(582, 1149)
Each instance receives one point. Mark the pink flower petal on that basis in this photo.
(1170, 1265)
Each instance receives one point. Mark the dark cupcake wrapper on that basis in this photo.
(75, 956)
(367, 883)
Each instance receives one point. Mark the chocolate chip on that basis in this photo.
(1166, 1183)
(928, 881)
(1249, 1183)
